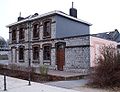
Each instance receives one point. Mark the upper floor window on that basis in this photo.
(21, 54)
(47, 29)
(35, 31)
(13, 35)
(21, 34)
(35, 52)
(47, 52)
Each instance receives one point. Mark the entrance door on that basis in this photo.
(60, 56)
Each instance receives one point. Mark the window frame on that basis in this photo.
(35, 31)
(14, 34)
(21, 53)
(45, 27)
(21, 34)
(46, 52)
(35, 56)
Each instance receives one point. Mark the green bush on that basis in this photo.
(43, 69)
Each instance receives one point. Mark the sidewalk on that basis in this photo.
(18, 85)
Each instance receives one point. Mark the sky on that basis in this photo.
(104, 15)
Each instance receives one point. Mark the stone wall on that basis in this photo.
(77, 54)
(77, 50)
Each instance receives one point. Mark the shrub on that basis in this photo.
(107, 71)
(43, 70)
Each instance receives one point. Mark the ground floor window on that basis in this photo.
(35, 52)
(47, 52)
(21, 54)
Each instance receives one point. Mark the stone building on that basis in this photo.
(103, 39)
(4, 51)
(56, 39)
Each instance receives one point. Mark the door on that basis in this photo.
(60, 56)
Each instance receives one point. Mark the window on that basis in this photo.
(47, 29)
(118, 46)
(21, 54)
(36, 53)
(47, 53)
(21, 34)
(13, 36)
(35, 31)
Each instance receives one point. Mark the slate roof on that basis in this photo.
(113, 35)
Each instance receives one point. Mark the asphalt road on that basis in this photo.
(68, 84)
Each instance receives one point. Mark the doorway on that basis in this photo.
(60, 55)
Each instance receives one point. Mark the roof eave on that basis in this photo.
(49, 13)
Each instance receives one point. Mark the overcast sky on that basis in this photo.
(103, 14)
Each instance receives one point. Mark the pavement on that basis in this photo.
(78, 85)
(18, 85)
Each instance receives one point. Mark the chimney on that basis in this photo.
(20, 18)
(73, 11)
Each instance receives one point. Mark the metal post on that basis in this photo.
(5, 81)
(29, 79)
(29, 62)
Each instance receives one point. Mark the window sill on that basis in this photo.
(36, 61)
(46, 37)
(14, 41)
(21, 40)
(21, 61)
(35, 38)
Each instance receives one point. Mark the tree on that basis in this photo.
(107, 71)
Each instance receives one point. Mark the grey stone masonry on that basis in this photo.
(77, 48)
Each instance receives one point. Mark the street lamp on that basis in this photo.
(29, 62)
(5, 79)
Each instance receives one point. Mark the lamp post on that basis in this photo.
(5, 82)
(29, 60)
(5, 89)
(29, 79)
